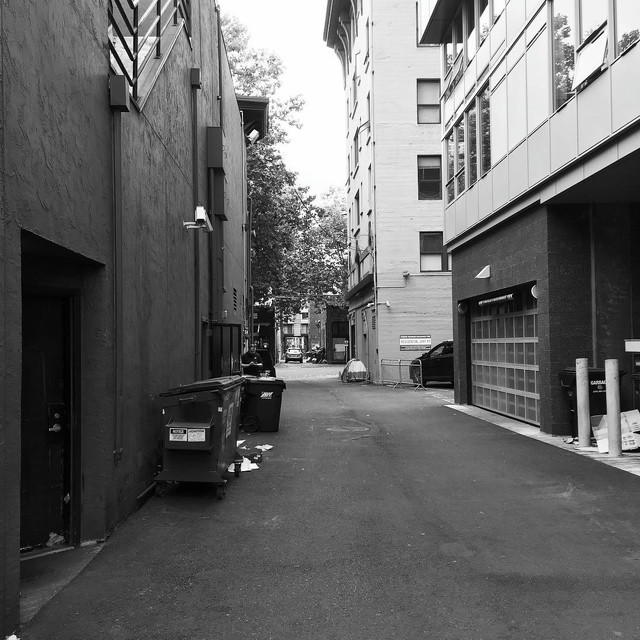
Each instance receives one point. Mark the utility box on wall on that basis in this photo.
(215, 148)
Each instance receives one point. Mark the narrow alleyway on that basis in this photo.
(379, 514)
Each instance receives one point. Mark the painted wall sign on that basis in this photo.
(415, 343)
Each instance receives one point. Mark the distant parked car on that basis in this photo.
(267, 361)
(293, 353)
(436, 365)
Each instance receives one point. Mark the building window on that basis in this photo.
(564, 21)
(627, 24)
(472, 141)
(460, 157)
(429, 178)
(433, 256)
(484, 113)
(428, 101)
(471, 29)
(484, 20)
(451, 166)
(590, 58)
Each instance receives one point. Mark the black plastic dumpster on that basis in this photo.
(200, 432)
(261, 403)
(597, 393)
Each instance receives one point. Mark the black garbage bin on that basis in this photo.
(597, 393)
(261, 403)
(200, 431)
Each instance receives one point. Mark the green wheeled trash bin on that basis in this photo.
(200, 432)
(261, 403)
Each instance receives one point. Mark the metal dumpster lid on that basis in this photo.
(211, 384)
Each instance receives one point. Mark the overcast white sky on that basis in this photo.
(293, 30)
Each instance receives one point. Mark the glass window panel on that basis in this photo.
(501, 352)
(521, 407)
(627, 23)
(530, 381)
(511, 378)
(508, 325)
(500, 327)
(493, 352)
(471, 28)
(429, 178)
(564, 20)
(530, 353)
(484, 21)
(429, 114)
(498, 8)
(431, 242)
(518, 324)
(510, 353)
(457, 34)
(428, 91)
(593, 15)
(502, 377)
(590, 59)
(451, 171)
(494, 399)
(519, 353)
(451, 191)
(430, 263)
(448, 48)
(529, 326)
(484, 105)
(473, 145)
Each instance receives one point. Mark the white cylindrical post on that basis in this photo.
(582, 399)
(613, 407)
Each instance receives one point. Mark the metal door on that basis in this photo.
(45, 514)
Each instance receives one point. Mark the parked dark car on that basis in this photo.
(267, 361)
(436, 365)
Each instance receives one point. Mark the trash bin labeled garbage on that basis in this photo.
(200, 431)
(597, 393)
(261, 403)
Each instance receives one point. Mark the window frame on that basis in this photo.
(442, 252)
(419, 167)
(435, 81)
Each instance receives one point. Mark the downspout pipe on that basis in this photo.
(197, 356)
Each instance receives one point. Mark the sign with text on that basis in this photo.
(415, 343)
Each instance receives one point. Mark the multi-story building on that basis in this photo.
(111, 141)
(541, 115)
(399, 291)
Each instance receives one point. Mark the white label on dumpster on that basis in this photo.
(267, 395)
(177, 435)
(196, 435)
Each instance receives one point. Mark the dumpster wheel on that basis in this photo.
(221, 491)
(251, 424)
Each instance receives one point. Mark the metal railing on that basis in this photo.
(405, 373)
(136, 29)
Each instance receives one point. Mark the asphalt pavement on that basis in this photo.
(379, 513)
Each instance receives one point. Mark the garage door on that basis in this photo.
(504, 355)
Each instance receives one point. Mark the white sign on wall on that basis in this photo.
(415, 343)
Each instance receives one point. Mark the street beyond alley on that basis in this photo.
(378, 514)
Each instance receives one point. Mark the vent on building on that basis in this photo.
(235, 299)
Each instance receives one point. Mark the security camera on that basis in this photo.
(201, 221)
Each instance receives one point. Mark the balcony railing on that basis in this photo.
(138, 33)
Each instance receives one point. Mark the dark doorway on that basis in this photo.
(47, 419)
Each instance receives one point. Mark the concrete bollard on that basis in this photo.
(614, 431)
(582, 400)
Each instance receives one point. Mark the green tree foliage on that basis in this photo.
(298, 251)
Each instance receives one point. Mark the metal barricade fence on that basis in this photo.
(401, 373)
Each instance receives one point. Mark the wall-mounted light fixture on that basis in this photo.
(201, 221)
(253, 136)
(485, 272)
(405, 274)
